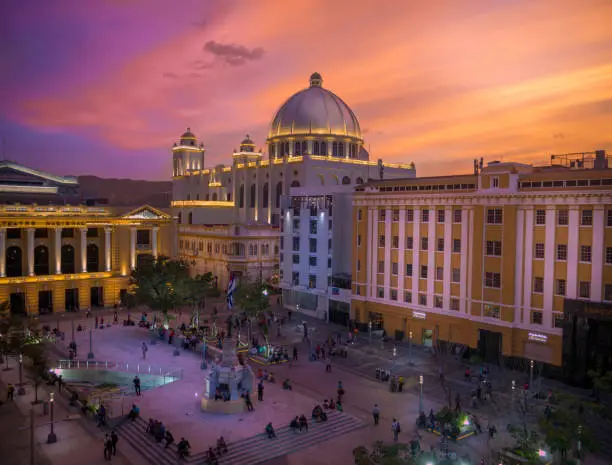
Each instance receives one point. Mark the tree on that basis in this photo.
(38, 369)
(252, 298)
(560, 430)
(197, 289)
(160, 284)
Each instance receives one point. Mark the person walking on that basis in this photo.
(108, 447)
(376, 414)
(10, 392)
(248, 402)
(396, 428)
(114, 440)
(295, 354)
(144, 350)
(136, 382)
(260, 390)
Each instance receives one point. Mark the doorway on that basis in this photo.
(45, 302)
(489, 346)
(17, 302)
(72, 300)
(96, 297)
(428, 338)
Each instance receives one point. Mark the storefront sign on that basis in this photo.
(537, 337)
(419, 315)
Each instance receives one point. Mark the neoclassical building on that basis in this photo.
(229, 216)
(58, 254)
(514, 260)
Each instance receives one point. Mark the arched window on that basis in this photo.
(340, 149)
(93, 263)
(359, 181)
(241, 196)
(346, 180)
(315, 147)
(13, 262)
(335, 149)
(266, 195)
(304, 148)
(229, 197)
(286, 148)
(323, 148)
(271, 150)
(279, 193)
(180, 218)
(297, 150)
(68, 258)
(214, 197)
(295, 183)
(252, 195)
(190, 218)
(41, 260)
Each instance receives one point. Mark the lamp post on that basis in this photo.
(531, 365)
(513, 391)
(579, 445)
(421, 409)
(370, 332)
(51, 438)
(410, 348)
(21, 390)
(90, 355)
(394, 358)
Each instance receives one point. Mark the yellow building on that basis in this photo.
(56, 257)
(503, 260)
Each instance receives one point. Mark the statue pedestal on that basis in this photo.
(219, 406)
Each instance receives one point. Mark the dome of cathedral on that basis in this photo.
(315, 111)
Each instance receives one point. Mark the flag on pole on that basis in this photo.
(231, 287)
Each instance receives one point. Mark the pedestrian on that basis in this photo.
(60, 381)
(116, 317)
(10, 392)
(96, 321)
(396, 428)
(457, 403)
(328, 366)
(376, 414)
(144, 350)
(136, 382)
(108, 447)
(248, 402)
(260, 390)
(114, 440)
(295, 354)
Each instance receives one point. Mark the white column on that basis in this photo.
(347, 149)
(257, 195)
(30, 245)
(518, 271)
(309, 143)
(83, 250)
(368, 245)
(448, 266)
(133, 248)
(329, 144)
(58, 250)
(401, 256)
(431, 256)
(375, 253)
(528, 262)
(416, 254)
(572, 252)
(597, 253)
(154, 235)
(2, 252)
(463, 261)
(387, 278)
(549, 264)
(470, 259)
(108, 262)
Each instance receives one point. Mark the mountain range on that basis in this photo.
(127, 192)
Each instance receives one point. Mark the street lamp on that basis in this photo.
(90, 355)
(394, 357)
(51, 438)
(410, 348)
(531, 365)
(579, 445)
(21, 390)
(370, 332)
(421, 409)
(513, 390)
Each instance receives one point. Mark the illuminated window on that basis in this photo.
(538, 251)
(562, 217)
(540, 217)
(585, 253)
(491, 311)
(561, 252)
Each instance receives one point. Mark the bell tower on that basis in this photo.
(187, 154)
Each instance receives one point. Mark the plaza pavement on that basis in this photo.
(177, 404)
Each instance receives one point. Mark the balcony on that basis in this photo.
(143, 247)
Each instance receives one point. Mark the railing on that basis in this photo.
(133, 367)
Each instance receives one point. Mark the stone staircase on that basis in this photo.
(154, 453)
(259, 449)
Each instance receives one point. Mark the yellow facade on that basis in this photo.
(58, 258)
(492, 255)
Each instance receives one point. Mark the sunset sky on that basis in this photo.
(105, 87)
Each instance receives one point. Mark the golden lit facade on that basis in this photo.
(58, 257)
(486, 260)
